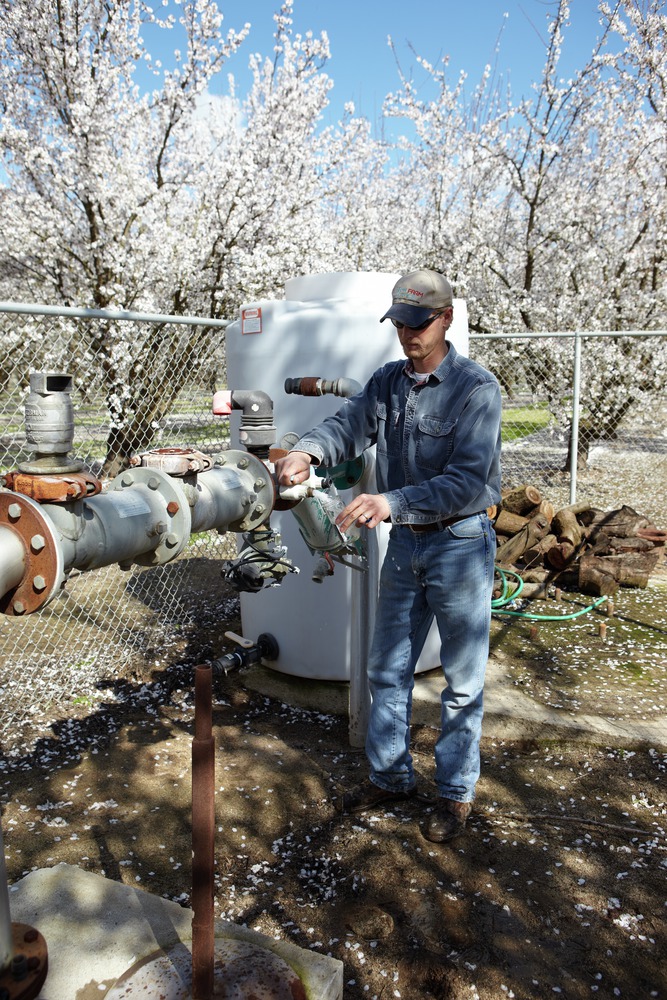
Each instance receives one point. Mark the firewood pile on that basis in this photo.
(577, 547)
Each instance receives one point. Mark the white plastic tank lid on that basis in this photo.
(358, 286)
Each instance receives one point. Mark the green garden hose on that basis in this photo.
(499, 603)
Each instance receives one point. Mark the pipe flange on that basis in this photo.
(261, 499)
(178, 519)
(44, 573)
(173, 461)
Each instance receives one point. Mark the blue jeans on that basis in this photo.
(447, 574)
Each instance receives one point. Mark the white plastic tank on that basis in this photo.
(327, 326)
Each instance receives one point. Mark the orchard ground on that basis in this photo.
(558, 887)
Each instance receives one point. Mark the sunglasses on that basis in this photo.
(422, 326)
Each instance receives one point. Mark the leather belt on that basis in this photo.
(418, 529)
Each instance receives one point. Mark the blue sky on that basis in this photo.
(363, 66)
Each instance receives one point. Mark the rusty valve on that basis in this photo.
(59, 488)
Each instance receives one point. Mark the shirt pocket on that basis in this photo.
(388, 430)
(435, 441)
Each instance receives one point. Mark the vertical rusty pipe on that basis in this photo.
(6, 943)
(203, 822)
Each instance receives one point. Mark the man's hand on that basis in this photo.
(367, 509)
(293, 468)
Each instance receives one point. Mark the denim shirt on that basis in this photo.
(438, 443)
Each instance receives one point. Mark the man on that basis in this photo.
(435, 421)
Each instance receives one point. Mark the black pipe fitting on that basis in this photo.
(266, 648)
(257, 431)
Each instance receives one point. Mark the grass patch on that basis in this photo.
(520, 421)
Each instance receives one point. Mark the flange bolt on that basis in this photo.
(37, 543)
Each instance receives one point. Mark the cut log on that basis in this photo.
(544, 507)
(561, 555)
(593, 580)
(605, 545)
(582, 509)
(623, 523)
(566, 528)
(652, 534)
(534, 591)
(585, 513)
(631, 569)
(521, 499)
(537, 575)
(514, 547)
(507, 523)
(536, 554)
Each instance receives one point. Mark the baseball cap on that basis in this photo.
(416, 295)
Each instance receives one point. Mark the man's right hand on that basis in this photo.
(293, 468)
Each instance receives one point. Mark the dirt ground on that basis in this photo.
(557, 888)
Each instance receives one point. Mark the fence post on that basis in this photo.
(574, 426)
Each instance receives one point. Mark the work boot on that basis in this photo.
(447, 820)
(368, 795)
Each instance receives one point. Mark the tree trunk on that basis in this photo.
(583, 448)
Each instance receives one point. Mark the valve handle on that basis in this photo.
(222, 402)
(239, 640)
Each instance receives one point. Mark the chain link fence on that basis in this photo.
(147, 382)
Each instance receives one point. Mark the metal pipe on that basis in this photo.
(123, 525)
(237, 495)
(312, 385)
(568, 335)
(37, 309)
(12, 566)
(365, 588)
(145, 517)
(6, 943)
(574, 429)
(203, 823)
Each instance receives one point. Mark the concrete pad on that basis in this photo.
(508, 712)
(96, 930)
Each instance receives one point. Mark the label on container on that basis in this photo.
(251, 320)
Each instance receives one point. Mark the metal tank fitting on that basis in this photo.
(313, 385)
(49, 424)
(266, 648)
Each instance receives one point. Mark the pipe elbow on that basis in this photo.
(254, 403)
(346, 387)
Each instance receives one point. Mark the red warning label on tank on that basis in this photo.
(251, 320)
